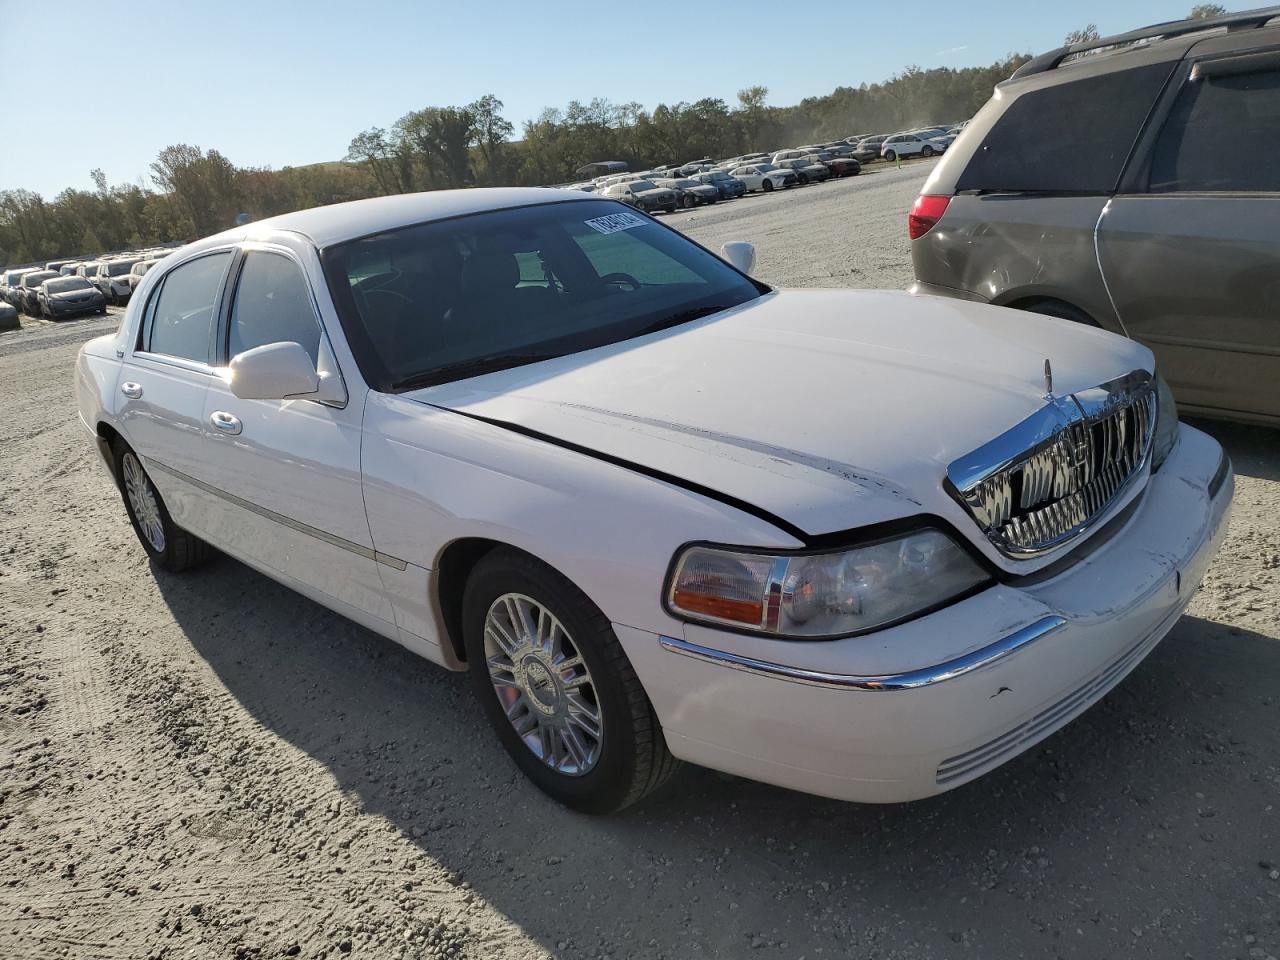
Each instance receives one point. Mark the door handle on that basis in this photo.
(226, 422)
(131, 390)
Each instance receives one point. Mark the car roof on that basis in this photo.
(339, 222)
(1159, 42)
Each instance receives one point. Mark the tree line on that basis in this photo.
(195, 192)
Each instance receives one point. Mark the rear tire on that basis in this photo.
(168, 545)
(544, 661)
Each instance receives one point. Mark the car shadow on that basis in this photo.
(1254, 450)
(1158, 789)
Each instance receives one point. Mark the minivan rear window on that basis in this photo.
(1073, 137)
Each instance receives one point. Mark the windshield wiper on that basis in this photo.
(677, 318)
(468, 368)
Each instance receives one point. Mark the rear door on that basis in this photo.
(1191, 250)
(163, 380)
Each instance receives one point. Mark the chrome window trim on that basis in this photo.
(349, 545)
(907, 680)
(180, 363)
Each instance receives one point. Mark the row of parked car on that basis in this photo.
(670, 187)
(67, 288)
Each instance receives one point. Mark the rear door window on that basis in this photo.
(179, 320)
(1222, 136)
(1073, 137)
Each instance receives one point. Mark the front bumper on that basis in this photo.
(920, 708)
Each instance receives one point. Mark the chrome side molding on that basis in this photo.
(909, 680)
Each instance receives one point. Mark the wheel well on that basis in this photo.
(108, 433)
(455, 566)
(1053, 307)
(107, 438)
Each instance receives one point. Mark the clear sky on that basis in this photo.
(284, 82)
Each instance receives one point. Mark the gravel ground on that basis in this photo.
(212, 766)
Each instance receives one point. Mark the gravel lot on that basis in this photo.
(212, 766)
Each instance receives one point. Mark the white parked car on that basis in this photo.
(862, 544)
(910, 145)
(764, 177)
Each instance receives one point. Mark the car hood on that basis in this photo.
(830, 409)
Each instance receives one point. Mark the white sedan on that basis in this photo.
(764, 177)
(861, 544)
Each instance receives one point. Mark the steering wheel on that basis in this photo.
(624, 278)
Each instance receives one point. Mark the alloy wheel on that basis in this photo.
(142, 497)
(543, 684)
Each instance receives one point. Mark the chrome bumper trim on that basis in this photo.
(298, 525)
(910, 680)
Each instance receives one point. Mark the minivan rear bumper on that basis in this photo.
(920, 289)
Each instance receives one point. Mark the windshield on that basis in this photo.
(34, 280)
(639, 186)
(66, 284)
(119, 268)
(446, 300)
(688, 183)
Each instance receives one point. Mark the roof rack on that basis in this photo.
(1245, 20)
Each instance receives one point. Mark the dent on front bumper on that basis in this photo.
(926, 706)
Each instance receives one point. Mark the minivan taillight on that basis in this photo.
(926, 211)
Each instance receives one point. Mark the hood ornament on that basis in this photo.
(1048, 379)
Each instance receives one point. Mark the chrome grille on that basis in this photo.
(1045, 481)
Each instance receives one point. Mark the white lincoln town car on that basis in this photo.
(861, 544)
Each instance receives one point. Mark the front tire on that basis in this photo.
(890, 156)
(557, 687)
(926, 151)
(767, 186)
(168, 545)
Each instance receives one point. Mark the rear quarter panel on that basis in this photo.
(1010, 249)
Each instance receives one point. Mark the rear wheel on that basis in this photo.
(557, 687)
(167, 544)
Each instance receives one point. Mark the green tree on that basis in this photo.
(1203, 11)
(1087, 35)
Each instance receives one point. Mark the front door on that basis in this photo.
(287, 472)
(1193, 262)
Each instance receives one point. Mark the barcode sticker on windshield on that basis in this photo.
(615, 222)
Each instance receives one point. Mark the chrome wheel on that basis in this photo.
(142, 497)
(543, 684)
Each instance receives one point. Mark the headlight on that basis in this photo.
(822, 595)
(1166, 424)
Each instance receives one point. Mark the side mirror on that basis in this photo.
(274, 371)
(740, 254)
